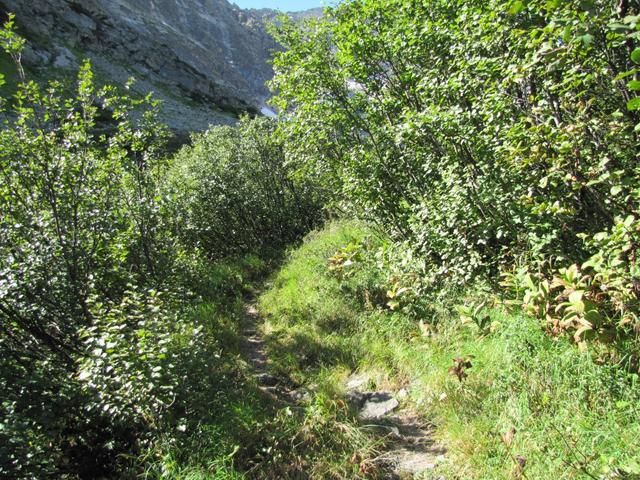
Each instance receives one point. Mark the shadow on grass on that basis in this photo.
(308, 352)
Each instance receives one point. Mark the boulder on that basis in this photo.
(33, 57)
(65, 59)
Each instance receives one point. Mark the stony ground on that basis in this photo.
(410, 451)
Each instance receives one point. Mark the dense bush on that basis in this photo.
(79, 221)
(485, 134)
(104, 252)
(232, 192)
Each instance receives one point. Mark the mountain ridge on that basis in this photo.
(207, 60)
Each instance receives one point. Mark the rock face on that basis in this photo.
(208, 60)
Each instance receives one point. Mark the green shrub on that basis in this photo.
(232, 192)
(79, 223)
(482, 134)
(597, 300)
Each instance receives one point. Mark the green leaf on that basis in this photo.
(634, 85)
(576, 296)
(629, 221)
(516, 7)
(626, 74)
(635, 55)
(592, 316)
(586, 39)
(619, 27)
(615, 190)
(553, 4)
(581, 331)
(633, 104)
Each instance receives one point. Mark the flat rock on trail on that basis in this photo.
(410, 451)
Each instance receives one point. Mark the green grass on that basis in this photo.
(233, 429)
(573, 418)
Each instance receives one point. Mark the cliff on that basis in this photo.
(208, 60)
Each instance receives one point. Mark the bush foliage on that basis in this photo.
(495, 142)
(104, 244)
(232, 192)
(485, 134)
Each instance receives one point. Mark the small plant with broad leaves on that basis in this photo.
(342, 262)
(476, 314)
(598, 300)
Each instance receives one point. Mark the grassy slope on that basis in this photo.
(573, 419)
(236, 431)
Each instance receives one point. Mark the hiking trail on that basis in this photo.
(409, 450)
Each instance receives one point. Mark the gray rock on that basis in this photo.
(413, 462)
(275, 391)
(377, 405)
(300, 395)
(356, 399)
(65, 59)
(357, 381)
(35, 57)
(84, 24)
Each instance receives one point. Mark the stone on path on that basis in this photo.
(300, 395)
(411, 451)
(357, 382)
(412, 462)
(377, 405)
(267, 379)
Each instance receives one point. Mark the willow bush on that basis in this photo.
(232, 192)
(484, 134)
(104, 351)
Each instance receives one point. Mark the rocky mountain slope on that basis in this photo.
(208, 60)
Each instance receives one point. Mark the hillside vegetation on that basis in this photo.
(482, 160)
(567, 417)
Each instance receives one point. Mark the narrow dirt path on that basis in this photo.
(410, 451)
(255, 351)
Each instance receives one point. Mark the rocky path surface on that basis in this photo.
(409, 452)
(255, 353)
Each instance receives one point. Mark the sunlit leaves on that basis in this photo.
(11, 42)
(233, 192)
(79, 219)
(482, 133)
(633, 104)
